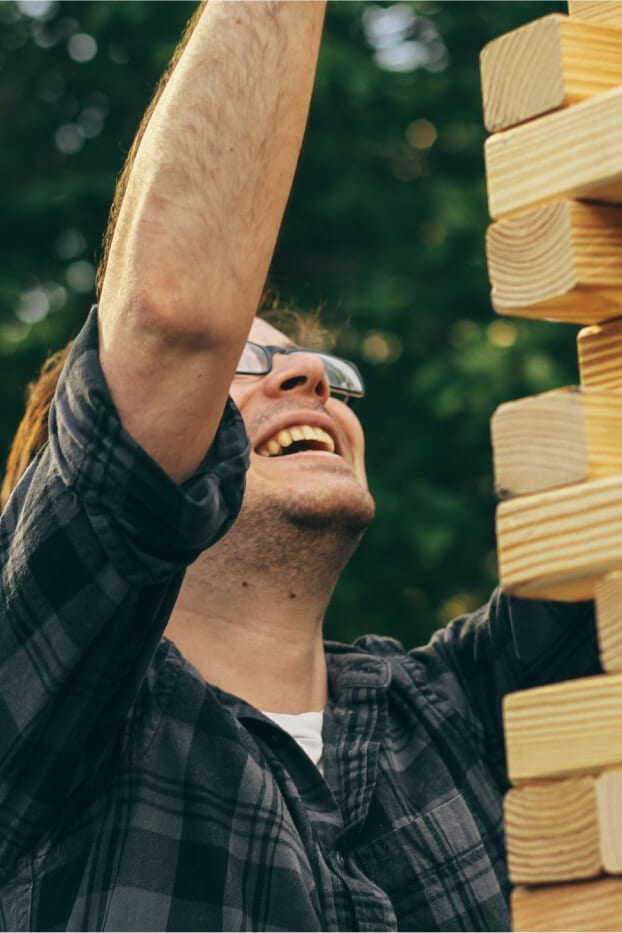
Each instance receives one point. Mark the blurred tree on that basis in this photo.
(385, 230)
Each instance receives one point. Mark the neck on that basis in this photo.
(250, 619)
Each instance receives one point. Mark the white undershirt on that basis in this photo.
(306, 729)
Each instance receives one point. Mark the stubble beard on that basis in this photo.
(308, 531)
(347, 517)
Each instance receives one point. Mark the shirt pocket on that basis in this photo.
(436, 871)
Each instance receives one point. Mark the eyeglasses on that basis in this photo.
(342, 376)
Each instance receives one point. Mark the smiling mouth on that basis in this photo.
(295, 439)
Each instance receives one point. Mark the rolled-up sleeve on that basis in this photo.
(147, 521)
(94, 543)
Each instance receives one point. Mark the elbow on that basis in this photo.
(160, 282)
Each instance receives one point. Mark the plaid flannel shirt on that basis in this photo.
(135, 796)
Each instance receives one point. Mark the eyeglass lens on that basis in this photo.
(340, 374)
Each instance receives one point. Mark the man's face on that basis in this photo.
(307, 447)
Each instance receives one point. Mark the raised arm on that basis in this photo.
(96, 538)
(199, 221)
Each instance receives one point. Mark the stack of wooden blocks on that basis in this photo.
(553, 104)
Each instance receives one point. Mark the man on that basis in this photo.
(237, 774)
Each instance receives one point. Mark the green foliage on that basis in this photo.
(385, 229)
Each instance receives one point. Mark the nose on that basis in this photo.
(301, 373)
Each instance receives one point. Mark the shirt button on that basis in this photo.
(339, 860)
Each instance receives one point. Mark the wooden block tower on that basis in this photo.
(553, 104)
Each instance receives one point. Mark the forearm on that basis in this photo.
(203, 206)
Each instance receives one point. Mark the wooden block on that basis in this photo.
(600, 356)
(564, 830)
(586, 906)
(603, 429)
(540, 442)
(549, 63)
(563, 729)
(551, 831)
(556, 544)
(565, 436)
(604, 12)
(609, 809)
(560, 262)
(575, 152)
(609, 621)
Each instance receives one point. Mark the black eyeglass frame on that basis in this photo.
(269, 351)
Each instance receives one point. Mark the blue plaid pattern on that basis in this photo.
(135, 796)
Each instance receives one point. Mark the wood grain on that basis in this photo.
(556, 544)
(583, 906)
(609, 811)
(539, 443)
(603, 428)
(566, 829)
(565, 436)
(575, 152)
(564, 729)
(559, 262)
(605, 12)
(549, 63)
(608, 594)
(600, 355)
(552, 831)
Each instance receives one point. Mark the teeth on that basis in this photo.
(300, 432)
(331, 444)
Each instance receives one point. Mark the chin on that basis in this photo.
(308, 498)
(348, 513)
